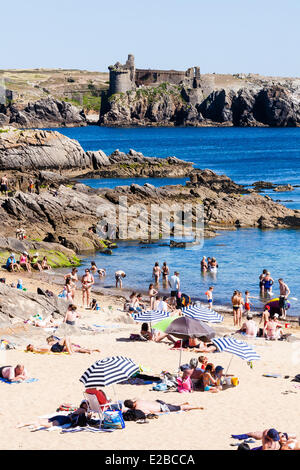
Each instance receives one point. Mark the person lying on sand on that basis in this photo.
(58, 346)
(158, 406)
(270, 438)
(14, 374)
(76, 418)
(48, 322)
(205, 347)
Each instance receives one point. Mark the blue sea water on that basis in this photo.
(244, 154)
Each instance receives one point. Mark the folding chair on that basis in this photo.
(94, 406)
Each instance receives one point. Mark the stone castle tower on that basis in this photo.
(126, 77)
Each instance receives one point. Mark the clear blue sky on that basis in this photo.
(222, 36)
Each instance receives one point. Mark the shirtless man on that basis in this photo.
(14, 374)
(4, 185)
(270, 438)
(158, 406)
(249, 327)
(284, 292)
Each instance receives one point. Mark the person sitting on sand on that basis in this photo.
(198, 366)
(11, 264)
(14, 374)
(273, 328)
(158, 406)
(207, 381)
(71, 315)
(45, 264)
(161, 305)
(76, 418)
(145, 333)
(24, 262)
(249, 327)
(94, 305)
(184, 382)
(35, 262)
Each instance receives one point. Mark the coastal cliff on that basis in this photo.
(275, 105)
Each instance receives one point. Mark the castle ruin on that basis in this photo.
(126, 77)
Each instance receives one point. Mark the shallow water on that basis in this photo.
(246, 155)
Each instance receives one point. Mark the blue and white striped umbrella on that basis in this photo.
(109, 371)
(202, 314)
(151, 316)
(237, 347)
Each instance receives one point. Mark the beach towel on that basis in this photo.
(47, 352)
(86, 428)
(27, 381)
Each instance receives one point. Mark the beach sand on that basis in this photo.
(255, 404)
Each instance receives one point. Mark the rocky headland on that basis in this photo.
(62, 211)
(243, 103)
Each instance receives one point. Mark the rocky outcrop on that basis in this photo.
(260, 105)
(66, 215)
(42, 113)
(33, 150)
(18, 304)
(43, 154)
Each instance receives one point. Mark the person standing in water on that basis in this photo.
(268, 283)
(119, 275)
(284, 292)
(165, 275)
(156, 273)
(261, 279)
(204, 265)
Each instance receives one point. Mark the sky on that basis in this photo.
(221, 36)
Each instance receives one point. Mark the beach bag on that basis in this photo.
(113, 420)
(133, 415)
(160, 387)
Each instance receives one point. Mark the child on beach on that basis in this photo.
(152, 295)
(184, 383)
(247, 301)
(209, 297)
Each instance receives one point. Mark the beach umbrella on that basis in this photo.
(163, 324)
(185, 327)
(151, 316)
(202, 314)
(108, 371)
(236, 348)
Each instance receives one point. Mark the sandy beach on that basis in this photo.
(256, 403)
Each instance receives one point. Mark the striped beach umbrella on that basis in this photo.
(237, 347)
(202, 314)
(151, 316)
(108, 371)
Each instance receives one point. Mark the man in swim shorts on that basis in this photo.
(158, 406)
(284, 293)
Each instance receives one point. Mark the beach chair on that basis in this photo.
(98, 403)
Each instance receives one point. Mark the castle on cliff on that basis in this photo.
(126, 77)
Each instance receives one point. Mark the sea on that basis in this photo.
(246, 155)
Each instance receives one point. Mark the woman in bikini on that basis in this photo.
(87, 281)
(71, 315)
(235, 299)
(156, 273)
(165, 274)
(152, 294)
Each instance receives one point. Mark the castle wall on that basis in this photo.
(152, 77)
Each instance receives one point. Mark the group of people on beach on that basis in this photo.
(26, 262)
(209, 265)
